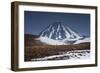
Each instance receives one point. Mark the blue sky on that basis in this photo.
(35, 22)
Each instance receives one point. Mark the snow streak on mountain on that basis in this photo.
(59, 34)
(57, 31)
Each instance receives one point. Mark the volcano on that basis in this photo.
(59, 34)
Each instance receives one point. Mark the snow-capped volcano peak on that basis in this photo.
(59, 34)
(58, 31)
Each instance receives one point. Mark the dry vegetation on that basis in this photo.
(39, 51)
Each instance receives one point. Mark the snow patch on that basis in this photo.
(49, 41)
(70, 55)
(82, 41)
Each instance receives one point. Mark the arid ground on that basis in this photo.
(34, 49)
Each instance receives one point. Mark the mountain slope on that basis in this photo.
(57, 31)
(59, 34)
